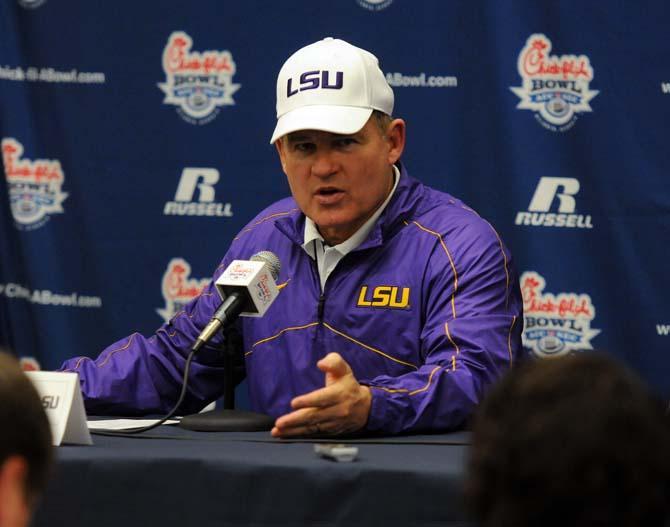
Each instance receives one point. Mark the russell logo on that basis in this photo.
(178, 288)
(555, 88)
(35, 187)
(198, 84)
(548, 189)
(555, 324)
(184, 204)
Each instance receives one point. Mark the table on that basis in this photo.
(172, 476)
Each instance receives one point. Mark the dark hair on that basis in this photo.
(25, 429)
(383, 121)
(573, 441)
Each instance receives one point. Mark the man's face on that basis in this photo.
(340, 180)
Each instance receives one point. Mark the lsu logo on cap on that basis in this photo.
(198, 84)
(384, 296)
(555, 88)
(312, 80)
(555, 324)
(35, 187)
(178, 288)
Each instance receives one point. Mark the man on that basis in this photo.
(25, 445)
(572, 441)
(398, 304)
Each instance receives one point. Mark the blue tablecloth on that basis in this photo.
(175, 477)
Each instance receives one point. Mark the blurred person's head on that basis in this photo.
(25, 445)
(572, 441)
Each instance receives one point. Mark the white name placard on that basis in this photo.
(62, 401)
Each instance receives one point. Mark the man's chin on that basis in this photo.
(333, 231)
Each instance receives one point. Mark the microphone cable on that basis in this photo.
(132, 432)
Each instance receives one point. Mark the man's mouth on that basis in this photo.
(328, 195)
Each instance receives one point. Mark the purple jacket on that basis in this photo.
(427, 311)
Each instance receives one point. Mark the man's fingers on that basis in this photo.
(308, 417)
(303, 422)
(297, 431)
(301, 417)
(320, 398)
(334, 364)
(310, 421)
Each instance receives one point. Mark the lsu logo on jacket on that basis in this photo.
(383, 296)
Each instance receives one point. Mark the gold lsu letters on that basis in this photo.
(383, 296)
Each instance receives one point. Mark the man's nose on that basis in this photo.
(325, 163)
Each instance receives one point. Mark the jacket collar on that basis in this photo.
(405, 199)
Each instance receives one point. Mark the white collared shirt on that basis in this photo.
(328, 257)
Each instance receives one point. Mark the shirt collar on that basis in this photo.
(348, 245)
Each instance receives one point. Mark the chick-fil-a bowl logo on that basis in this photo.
(179, 288)
(555, 324)
(555, 88)
(35, 187)
(197, 83)
(263, 292)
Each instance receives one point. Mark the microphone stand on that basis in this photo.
(229, 350)
(228, 419)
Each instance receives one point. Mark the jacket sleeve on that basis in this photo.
(139, 375)
(472, 333)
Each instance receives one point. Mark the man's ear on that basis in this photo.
(14, 507)
(395, 136)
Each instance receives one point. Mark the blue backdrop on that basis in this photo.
(135, 144)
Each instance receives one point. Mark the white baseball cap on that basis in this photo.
(331, 86)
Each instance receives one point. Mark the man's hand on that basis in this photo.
(341, 407)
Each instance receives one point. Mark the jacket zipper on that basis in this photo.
(319, 312)
(322, 296)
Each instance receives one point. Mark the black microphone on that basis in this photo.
(247, 287)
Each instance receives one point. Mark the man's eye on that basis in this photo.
(303, 147)
(345, 141)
